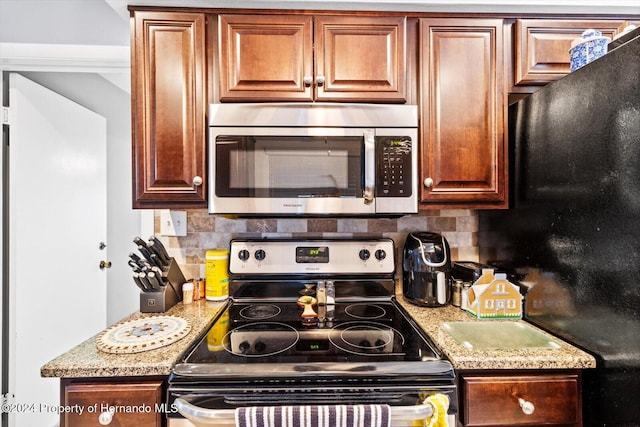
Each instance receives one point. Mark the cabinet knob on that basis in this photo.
(197, 181)
(320, 80)
(105, 264)
(307, 80)
(527, 407)
(106, 417)
(428, 182)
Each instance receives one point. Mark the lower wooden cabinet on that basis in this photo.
(130, 403)
(517, 399)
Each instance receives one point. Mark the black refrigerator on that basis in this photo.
(571, 236)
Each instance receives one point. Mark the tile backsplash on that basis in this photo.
(204, 231)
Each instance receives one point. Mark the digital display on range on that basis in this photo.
(309, 345)
(312, 254)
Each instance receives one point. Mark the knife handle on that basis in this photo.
(158, 271)
(155, 284)
(145, 281)
(158, 263)
(134, 257)
(154, 248)
(161, 248)
(139, 241)
(138, 282)
(145, 253)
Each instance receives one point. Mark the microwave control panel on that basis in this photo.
(393, 166)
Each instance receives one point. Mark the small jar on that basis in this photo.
(187, 293)
(456, 296)
(464, 297)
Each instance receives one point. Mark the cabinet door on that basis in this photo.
(134, 404)
(463, 149)
(521, 400)
(542, 47)
(266, 58)
(168, 109)
(360, 58)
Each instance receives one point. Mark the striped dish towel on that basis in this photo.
(315, 416)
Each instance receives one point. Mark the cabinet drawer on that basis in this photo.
(136, 404)
(494, 400)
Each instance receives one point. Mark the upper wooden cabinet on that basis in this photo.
(168, 109)
(307, 58)
(463, 150)
(542, 47)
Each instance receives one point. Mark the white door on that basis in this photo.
(57, 221)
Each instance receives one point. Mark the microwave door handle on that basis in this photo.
(369, 165)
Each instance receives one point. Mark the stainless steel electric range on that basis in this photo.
(309, 322)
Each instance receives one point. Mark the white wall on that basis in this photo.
(90, 22)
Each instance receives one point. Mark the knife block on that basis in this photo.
(161, 301)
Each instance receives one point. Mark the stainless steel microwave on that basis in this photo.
(315, 159)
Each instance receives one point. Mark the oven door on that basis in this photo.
(216, 407)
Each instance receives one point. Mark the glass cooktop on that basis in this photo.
(276, 332)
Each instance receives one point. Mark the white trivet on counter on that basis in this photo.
(148, 333)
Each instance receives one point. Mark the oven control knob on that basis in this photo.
(260, 254)
(380, 344)
(380, 254)
(243, 255)
(364, 254)
(260, 347)
(244, 347)
(365, 344)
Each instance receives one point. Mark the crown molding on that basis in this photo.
(64, 58)
(610, 7)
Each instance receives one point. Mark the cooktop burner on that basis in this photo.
(260, 339)
(366, 338)
(365, 311)
(260, 311)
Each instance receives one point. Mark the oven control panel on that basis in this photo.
(279, 256)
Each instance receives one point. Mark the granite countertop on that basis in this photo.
(431, 319)
(85, 360)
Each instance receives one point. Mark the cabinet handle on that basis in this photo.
(428, 182)
(106, 417)
(307, 80)
(319, 80)
(197, 181)
(527, 407)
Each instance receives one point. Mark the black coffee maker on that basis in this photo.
(426, 269)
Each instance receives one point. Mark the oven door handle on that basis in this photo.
(400, 415)
(369, 165)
